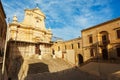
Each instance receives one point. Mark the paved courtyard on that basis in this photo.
(104, 70)
(55, 69)
(49, 68)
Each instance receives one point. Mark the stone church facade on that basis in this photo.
(27, 39)
(30, 35)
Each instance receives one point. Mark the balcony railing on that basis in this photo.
(104, 42)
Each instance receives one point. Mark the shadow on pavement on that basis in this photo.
(33, 68)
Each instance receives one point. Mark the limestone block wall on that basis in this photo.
(58, 54)
(21, 49)
(73, 46)
(71, 56)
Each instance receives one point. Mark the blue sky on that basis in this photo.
(67, 18)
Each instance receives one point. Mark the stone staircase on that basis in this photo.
(49, 68)
(68, 74)
(47, 64)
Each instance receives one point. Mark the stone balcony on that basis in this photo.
(103, 43)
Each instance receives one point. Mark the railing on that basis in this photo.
(104, 42)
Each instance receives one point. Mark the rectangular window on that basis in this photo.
(118, 52)
(78, 45)
(90, 39)
(118, 33)
(72, 46)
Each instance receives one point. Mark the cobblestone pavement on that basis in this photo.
(55, 69)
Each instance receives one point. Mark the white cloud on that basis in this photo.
(70, 16)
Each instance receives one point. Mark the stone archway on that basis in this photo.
(80, 59)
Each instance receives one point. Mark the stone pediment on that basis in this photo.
(38, 11)
(35, 18)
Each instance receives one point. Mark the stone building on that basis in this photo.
(26, 39)
(70, 50)
(102, 40)
(3, 29)
(3, 32)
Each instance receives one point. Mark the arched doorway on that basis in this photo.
(105, 54)
(80, 59)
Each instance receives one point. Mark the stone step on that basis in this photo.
(46, 65)
(68, 74)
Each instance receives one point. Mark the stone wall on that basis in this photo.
(69, 50)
